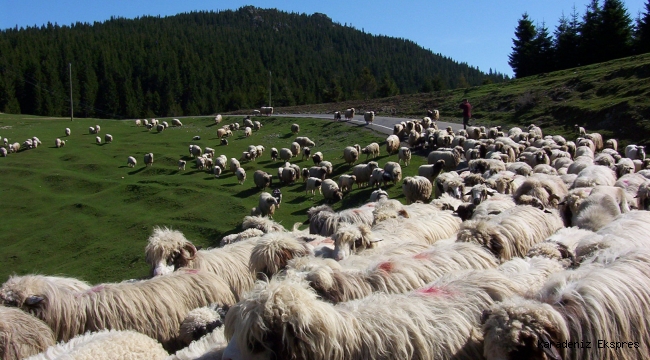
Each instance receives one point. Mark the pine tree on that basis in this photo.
(387, 87)
(367, 83)
(522, 56)
(542, 50)
(616, 31)
(642, 35)
(566, 42)
(589, 35)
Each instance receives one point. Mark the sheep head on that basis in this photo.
(486, 234)
(168, 250)
(351, 238)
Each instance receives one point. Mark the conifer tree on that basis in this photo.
(542, 50)
(522, 57)
(589, 48)
(565, 42)
(642, 35)
(615, 32)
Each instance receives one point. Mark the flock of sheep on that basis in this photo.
(512, 245)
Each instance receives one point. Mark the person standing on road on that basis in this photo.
(467, 112)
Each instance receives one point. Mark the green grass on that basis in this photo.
(611, 97)
(80, 211)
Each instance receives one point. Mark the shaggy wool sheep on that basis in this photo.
(378, 195)
(295, 128)
(349, 114)
(594, 175)
(148, 159)
(362, 172)
(286, 154)
(392, 144)
(22, 335)
(450, 156)
(431, 172)
(324, 221)
(266, 110)
(285, 318)
(369, 117)
(512, 232)
(479, 193)
(372, 149)
(234, 165)
(266, 206)
(317, 158)
(160, 127)
(547, 190)
(98, 140)
(131, 161)
(208, 347)
(627, 230)
(3, 152)
(67, 131)
(596, 211)
(287, 175)
(404, 154)
(611, 144)
(393, 172)
(635, 152)
(416, 188)
(241, 175)
(313, 184)
(350, 155)
(489, 166)
(154, 307)
(561, 246)
(346, 182)
(493, 205)
(262, 179)
(181, 164)
(57, 143)
(295, 149)
(331, 191)
(195, 150)
(377, 178)
(305, 141)
(450, 183)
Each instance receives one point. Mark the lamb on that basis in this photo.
(346, 182)
(312, 185)
(404, 154)
(398, 274)
(276, 316)
(450, 183)
(580, 307)
(108, 138)
(241, 175)
(262, 179)
(547, 190)
(331, 191)
(393, 172)
(22, 335)
(362, 172)
(376, 178)
(234, 165)
(148, 159)
(450, 156)
(106, 344)
(635, 152)
(372, 149)
(392, 144)
(349, 114)
(595, 175)
(513, 232)
(286, 154)
(154, 307)
(131, 161)
(431, 172)
(369, 117)
(416, 188)
(304, 141)
(350, 155)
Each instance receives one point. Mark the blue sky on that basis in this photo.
(475, 32)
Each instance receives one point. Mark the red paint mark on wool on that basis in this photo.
(97, 289)
(386, 266)
(192, 271)
(421, 256)
(434, 291)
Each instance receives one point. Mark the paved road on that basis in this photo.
(382, 124)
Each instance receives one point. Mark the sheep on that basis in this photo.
(295, 128)
(108, 138)
(546, 190)
(248, 131)
(561, 246)
(376, 178)
(337, 115)
(195, 151)
(625, 166)
(3, 152)
(285, 318)
(266, 206)
(595, 175)
(131, 161)
(98, 140)
(13, 148)
(431, 171)
(414, 138)
(378, 195)
(257, 125)
(208, 347)
(489, 166)
(545, 169)
(611, 144)
(362, 172)
(349, 114)
(630, 229)
(331, 191)
(369, 117)
(493, 205)
(22, 335)
(148, 159)
(416, 188)
(478, 193)
(398, 130)
(312, 185)
(286, 154)
(450, 183)
(398, 274)
(262, 179)
(241, 175)
(393, 172)
(404, 154)
(295, 149)
(596, 211)
(266, 110)
(372, 149)
(200, 163)
(160, 127)
(450, 156)
(306, 153)
(512, 232)
(319, 172)
(248, 122)
(287, 175)
(145, 122)
(154, 307)
(91, 130)
(635, 152)
(106, 344)
(217, 170)
(234, 165)
(520, 168)
(57, 143)
(350, 155)
(346, 182)
(317, 157)
(392, 144)
(583, 308)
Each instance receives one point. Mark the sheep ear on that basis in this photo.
(469, 192)
(191, 250)
(34, 300)
(403, 213)
(485, 315)
(491, 191)
(550, 351)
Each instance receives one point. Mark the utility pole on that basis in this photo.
(270, 88)
(70, 72)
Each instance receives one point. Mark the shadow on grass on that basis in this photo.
(248, 192)
(211, 125)
(137, 171)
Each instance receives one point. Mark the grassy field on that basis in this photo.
(80, 211)
(611, 97)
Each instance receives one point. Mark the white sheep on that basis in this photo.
(67, 131)
(148, 159)
(416, 188)
(305, 141)
(404, 154)
(3, 152)
(369, 117)
(393, 172)
(181, 164)
(331, 191)
(376, 178)
(131, 161)
(350, 155)
(431, 171)
(286, 154)
(266, 110)
(362, 172)
(346, 182)
(98, 140)
(57, 143)
(313, 184)
(108, 138)
(372, 149)
(22, 334)
(450, 156)
(195, 151)
(595, 175)
(450, 183)
(392, 144)
(295, 128)
(635, 152)
(349, 114)
(248, 131)
(266, 206)
(378, 195)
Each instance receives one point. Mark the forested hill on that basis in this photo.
(207, 62)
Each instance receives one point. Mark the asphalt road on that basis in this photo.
(382, 124)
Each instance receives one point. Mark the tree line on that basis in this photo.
(604, 32)
(207, 62)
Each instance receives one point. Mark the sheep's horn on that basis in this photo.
(192, 250)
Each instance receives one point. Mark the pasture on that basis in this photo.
(80, 211)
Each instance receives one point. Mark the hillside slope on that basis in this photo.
(611, 97)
